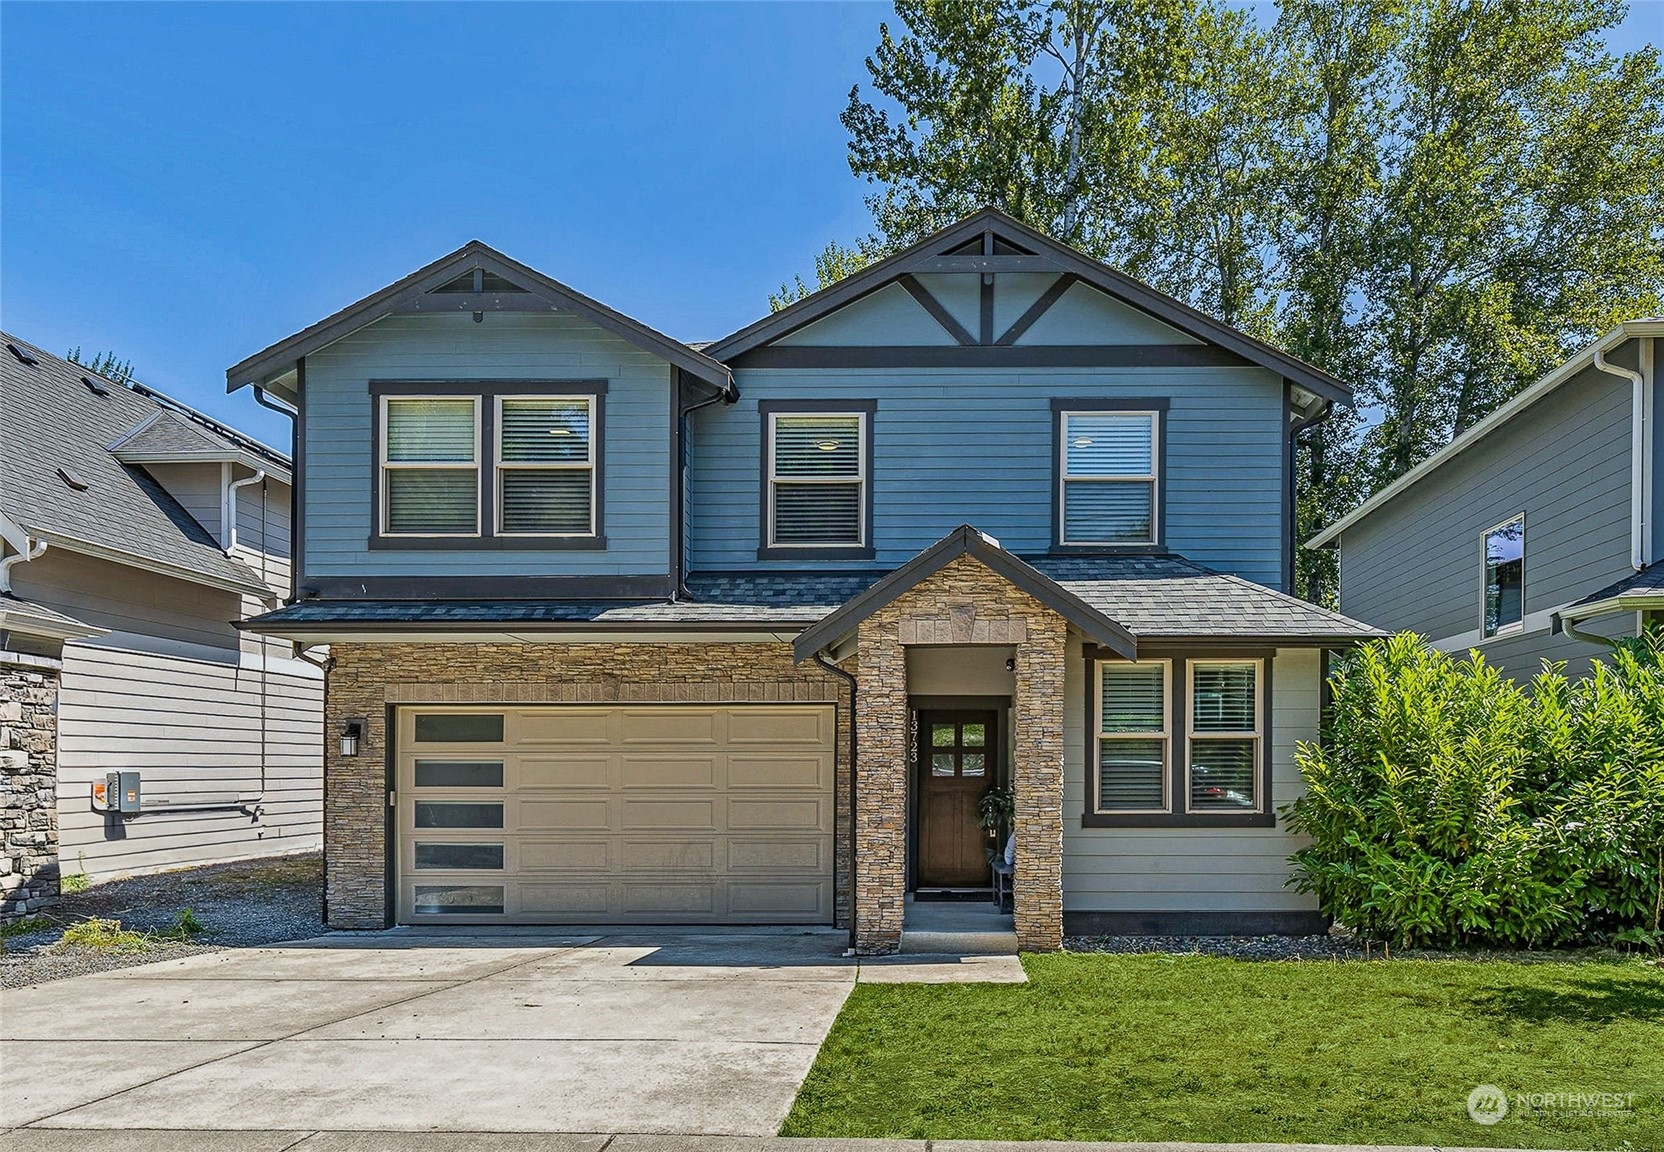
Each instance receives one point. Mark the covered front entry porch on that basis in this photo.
(964, 645)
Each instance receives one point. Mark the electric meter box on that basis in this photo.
(122, 790)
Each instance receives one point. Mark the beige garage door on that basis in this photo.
(646, 814)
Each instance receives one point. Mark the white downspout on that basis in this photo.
(36, 548)
(231, 512)
(1637, 456)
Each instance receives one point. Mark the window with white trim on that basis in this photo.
(1134, 736)
(817, 479)
(1108, 464)
(545, 465)
(430, 470)
(1224, 735)
(1504, 583)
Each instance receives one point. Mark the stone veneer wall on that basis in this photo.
(964, 603)
(28, 786)
(366, 678)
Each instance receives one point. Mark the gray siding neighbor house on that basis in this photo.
(1534, 535)
(136, 534)
(628, 630)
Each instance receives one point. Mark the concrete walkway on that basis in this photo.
(646, 1032)
(59, 1140)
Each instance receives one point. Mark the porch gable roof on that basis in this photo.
(965, 541)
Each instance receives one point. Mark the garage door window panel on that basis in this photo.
(459, 773)
(444, 814)
(458, 728)
(459, 899)
(459, 857)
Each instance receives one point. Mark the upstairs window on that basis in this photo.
(545, 466)
(1504, 583)
(817, 480)
(1108, 463)
(1225, 736)
(430, 472)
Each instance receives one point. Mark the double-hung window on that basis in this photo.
(1224, 739)
(1178, 740)
(1108, 465)
(545, 466)
(489, 464)
(430, 466)
(1504, 583)
(817, 481)
(1133, 739)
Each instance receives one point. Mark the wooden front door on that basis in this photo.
(957, 753)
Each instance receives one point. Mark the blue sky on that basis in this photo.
(186, 183)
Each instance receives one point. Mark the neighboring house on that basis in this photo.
(1533, 535)
(136, 533)
(612, 617)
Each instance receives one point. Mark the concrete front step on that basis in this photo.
(919, 941)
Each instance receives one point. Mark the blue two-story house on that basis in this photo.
(626, 630)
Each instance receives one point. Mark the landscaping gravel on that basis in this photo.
(1233, 947)
(240, 905)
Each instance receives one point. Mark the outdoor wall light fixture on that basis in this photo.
(351, 733)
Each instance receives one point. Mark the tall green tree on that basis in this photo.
(1521, 208)
(1433, 199)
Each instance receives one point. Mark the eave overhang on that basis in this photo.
(273, 368)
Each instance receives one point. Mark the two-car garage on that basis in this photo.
(633, 813)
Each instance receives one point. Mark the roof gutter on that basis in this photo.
(1637, 456)
(231, 517)
(290, 414)
(33, 548)
(823, 658)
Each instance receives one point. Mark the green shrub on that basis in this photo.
(74, 882)
(1447, 806)
(104, 936)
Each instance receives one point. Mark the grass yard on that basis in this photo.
(1099, 1047)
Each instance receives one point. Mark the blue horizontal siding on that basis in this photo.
(955, 446)
(340, 455)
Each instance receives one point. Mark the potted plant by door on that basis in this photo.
(996, 810)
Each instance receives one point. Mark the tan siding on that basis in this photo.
(199, 489)
(192, 730)
(1183, 869)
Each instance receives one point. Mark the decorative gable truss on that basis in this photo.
(992, 292)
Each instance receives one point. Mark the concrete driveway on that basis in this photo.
(704, 1031)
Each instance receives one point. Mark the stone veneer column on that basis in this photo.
(29, 880)
(881, 792)
(964, 603)
(1037, 888)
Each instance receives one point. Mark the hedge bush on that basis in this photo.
(1448, 806)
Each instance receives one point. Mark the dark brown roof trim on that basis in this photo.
(929, 255)
(407, 295)
(966, 541)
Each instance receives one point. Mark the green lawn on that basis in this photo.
(1198, 1048)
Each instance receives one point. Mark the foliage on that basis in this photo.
(74, 883)
(1434, 200)
(997, 810)
(186, 925)
(105, 364)
(833, 264)
(1447, 805)
(26, 926)
(1195, 1048)
(104, 936)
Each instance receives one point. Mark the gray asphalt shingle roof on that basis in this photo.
(54, 421)
(1649, 581)
(1153, 597)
